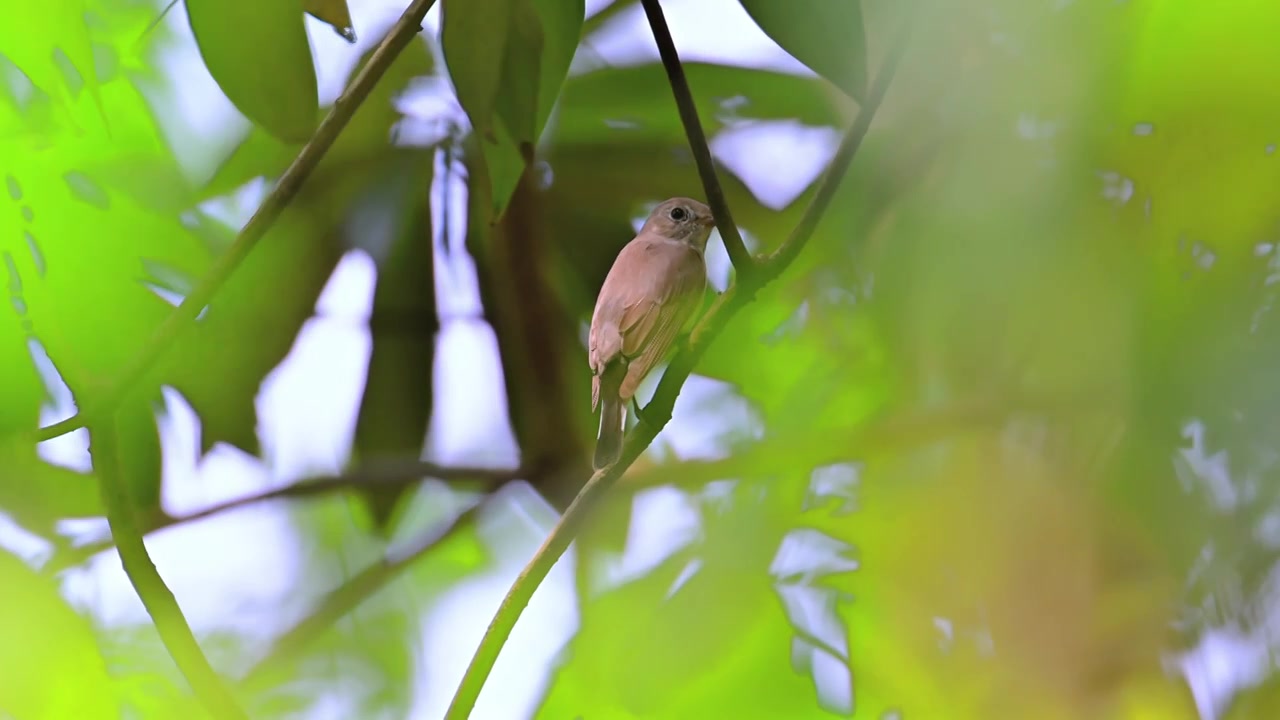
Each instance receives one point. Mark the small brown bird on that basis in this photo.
(653, 288)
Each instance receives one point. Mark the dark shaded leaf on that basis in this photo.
(274, 292)
(826, 35)
(397, 400)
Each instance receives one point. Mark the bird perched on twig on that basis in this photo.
(655, 285)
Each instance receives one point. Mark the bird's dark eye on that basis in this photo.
(679, 214)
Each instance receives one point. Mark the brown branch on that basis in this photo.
(348, 596)
(159, 601)
(658, 413)
(385, 474)
(738, 254)
(396, 40)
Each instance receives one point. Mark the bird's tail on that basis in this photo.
(609, 443)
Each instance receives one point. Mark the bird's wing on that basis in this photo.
(651, 327)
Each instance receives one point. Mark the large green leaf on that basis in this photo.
(79, 247)
(259, 55)
(50, 44)
(826, 35)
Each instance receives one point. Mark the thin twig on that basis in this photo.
(349, 595)
(738, 254)
(159, 601)
(562, 535)
(397, 39)
(382, 474)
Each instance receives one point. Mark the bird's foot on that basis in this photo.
(640, 416)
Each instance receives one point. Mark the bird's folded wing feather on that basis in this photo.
(650, 327)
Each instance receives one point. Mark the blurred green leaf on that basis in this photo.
(259, 55)
(397, 401)
(78, 247)
(37, 494)
(633, 104)
(49, 659)
(826, 35)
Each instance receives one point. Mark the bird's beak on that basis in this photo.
(707, 221)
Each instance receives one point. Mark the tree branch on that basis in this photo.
(388, 474)
(159, 601)
(349, 595)
(738, 254)
(659, 410)
(396, 40)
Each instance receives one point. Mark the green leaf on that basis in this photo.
(507, 59)
(825, 35)
(334, 13)
(397, 401)
(634, 103)
(259, 55)
(49, 658)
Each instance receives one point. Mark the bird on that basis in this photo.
(652, 290)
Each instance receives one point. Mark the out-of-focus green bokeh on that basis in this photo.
(1013, 411)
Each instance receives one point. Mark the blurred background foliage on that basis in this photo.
(999, 444)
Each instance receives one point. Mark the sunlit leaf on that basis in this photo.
(50, 44)
(48, 655)
(259, 55)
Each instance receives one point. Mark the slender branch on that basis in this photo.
(396, 40)
(351, 594)
(159, 601)
(659, 410)
(738, 254)
(386, 474)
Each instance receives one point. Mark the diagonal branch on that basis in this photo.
(159, 601)
(742, 260)
(396, 40)
(659, 410)
(349, 595)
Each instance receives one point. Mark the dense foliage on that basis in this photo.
(1004, 450)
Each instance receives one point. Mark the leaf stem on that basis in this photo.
(159, 601)
(733, 244)
(396, 40)
(659, 410)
